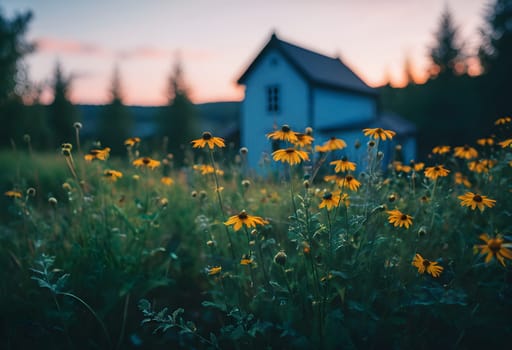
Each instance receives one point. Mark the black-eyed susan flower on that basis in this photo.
(146, 162)
(100, 154)
(167, 181)
(434, 172)
(321, 149)
(399, 219)
(503, 121)
(399, 167)
(481, 165)
(206, 169)
(425, 265)
(475, 200)
(243, 218)
(330, 200)
(343, 165)
(441, 149)
(132, 141)
(290, 155)
(349, 182)
(379, 133)
(303, 140)
(461, 179)
(13, 194)
(208, 140)
(333, 144)
(506, 143)
(214, 270)
(465, 152)
(246, 260)
(417, 166)
(112, 175)
(486, 141)
(494, 248)
(283, 134)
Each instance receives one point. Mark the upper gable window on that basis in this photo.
(273, 99)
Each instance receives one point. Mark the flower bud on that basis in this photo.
(280, 258)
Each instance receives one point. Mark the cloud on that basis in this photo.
(57, 45)
(154, 53)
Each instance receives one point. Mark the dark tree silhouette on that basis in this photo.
(177, 122)
(447, 55)
(496, 56)
(62, 113)
(116, 123)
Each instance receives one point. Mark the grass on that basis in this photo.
(92, 260)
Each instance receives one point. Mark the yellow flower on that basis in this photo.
(481, 165)
(146, 162)
(284, 134)
(502, 121)
(343, 165)
(465, 152)
(243, 218)
(112, 175)
(13, 194)
(461, 179)
(303, 140)
(348, 182)
(208, 140)
(506, 143)
(100, 154)
(321, 149)
(485, 141)
(417, 166)
(290, 155)
(330, 200)
(475, 200)
(494, 248)
(246, 260)
(132, 141)
(166, 180)
(399, 219)
(428, 266)
(332, 144)
(434, 172)
(379, 133)
(400, 167)
(214, 270)
(206, 169)
(441, 149)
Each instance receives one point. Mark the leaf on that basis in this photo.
(43, 284)
(211, 304)
(144, 305)
(279, 287)
(61, 282)
(339, 274)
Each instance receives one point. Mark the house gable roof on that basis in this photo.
(314, 67)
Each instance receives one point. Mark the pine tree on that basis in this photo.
(177, 122)
(116, 124)
(62, 113)
(447, 56)
(496, 56)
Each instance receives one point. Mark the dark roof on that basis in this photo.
(314, 67)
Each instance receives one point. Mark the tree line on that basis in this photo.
(452, 106)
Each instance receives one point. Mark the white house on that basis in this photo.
(288, 84)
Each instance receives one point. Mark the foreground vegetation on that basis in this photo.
(137, 253)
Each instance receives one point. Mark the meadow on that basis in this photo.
(324, 252)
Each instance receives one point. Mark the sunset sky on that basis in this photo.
(217, 39)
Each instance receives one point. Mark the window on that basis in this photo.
(273, 103)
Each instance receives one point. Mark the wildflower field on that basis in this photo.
(323, 252)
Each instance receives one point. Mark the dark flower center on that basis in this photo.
(436, 168)
(146, 160)
(333, 138)
(349, 178)
(477, 198)
(371, 143)
(290, 150)
(403, 217)
(494, 245)
(207, 136)
(328, 196)
(242, 215)
(344, 159)
(466, 148)
(285, 128)
(426, 263)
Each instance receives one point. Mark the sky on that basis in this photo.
(216, 40)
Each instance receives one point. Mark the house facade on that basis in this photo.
(288, 84)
